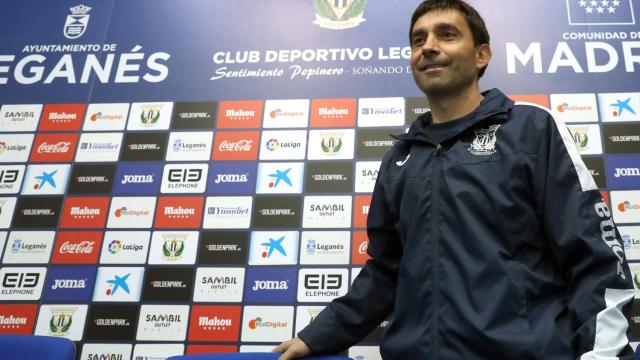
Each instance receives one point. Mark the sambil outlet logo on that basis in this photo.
(15, 118)
(163, 322)
(598, 12)
(339, 14)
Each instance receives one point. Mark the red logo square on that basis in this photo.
(77, 247)
(60, 117)
(214, 323)
(605, 196)
(361, 211)
(538, 99)
(17, 318)
(84, 212)
(240, 114)
(359, 254)
(179, 212)
(210, 349)
(54, 147)
(236, 145)
(333, 112)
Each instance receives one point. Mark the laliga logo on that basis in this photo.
(339, 14)
(77, 22)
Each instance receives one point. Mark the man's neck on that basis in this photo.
(449, 107)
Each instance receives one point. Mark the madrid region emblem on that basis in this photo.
(77, 22)
(485, 141)
(339, 14)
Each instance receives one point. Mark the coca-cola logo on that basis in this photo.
(84, 247)
(241, 145)
(362, 249)
(60, 147)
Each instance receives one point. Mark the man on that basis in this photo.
(488, 236)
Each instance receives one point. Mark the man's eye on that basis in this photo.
(418, 42)
(448, 35)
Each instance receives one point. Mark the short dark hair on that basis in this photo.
(475, 21)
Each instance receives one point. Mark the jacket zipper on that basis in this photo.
(434, 253)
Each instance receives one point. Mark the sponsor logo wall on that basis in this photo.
(152, 206)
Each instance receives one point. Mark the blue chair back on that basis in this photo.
(251, 356)
(29, 347)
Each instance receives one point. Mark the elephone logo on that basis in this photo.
(106, 117)
(150, 116)
(11, 178)
(118, 284)
(240, 114)
(331, 144)
(125, 247)
(283, 145)
(273, 248)
(22, 283)
(137, 179)
(54, 147)
(280, 178)
(219, 285)
(340, 14)
(29, 247)
(58, 117)
(626, 206)
(227, 212)
(325, 247)
(46, 179)
(214, 322)
(223, 248)
(173, 247)
(84, 212)
(163, 322)
(619, 107)
(70, 284)
(232, 178)
(236, 145)
(189, 146)
(76, 22)
(131, 212)
(374, 112)
(268, 286)
(77, 247)
(589, 12)
(179, 212)
(15, 148)
(184, 178)
(101, 147)
(322, 285)
(17, 318)
(194, 115)
(14, 118)
(574, 107)
(586, 138)
(62, 321)
(286, 113)
(267, 323)
(366, 175)
(333, 112)
(327, 212)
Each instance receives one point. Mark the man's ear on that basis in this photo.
(483, 55)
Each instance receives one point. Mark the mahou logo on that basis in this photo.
(84, 212)
(62, 117)
(179, 212)
(361, 211)
(333, 112)
(77, 247)
(214, 322)
(17, 318)
(232, 145)
(54, 147)
(240, 114)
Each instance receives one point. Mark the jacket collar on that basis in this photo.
(495, 105)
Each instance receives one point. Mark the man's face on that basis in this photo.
(444, 59)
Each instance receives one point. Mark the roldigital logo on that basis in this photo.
(286, 113)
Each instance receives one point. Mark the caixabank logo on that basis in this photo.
(219, 284)
(118, 284)
(112, 322)
(91, 179)
(138, 179)
(232, 178)
(274, 248)
(589, 12)
(77, 247)
(270, 286)
(220, 323)
(125, 247)
(17, 318)
(223, 247)
(168, 284)
(46, 179)
(622, 107)
(72, 284)
(280, 178)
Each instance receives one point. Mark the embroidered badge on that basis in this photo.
(485, 141)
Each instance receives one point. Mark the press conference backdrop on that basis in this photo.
(188, 176)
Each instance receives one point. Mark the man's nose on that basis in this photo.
(430, 46)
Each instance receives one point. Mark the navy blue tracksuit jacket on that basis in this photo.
(492, 244)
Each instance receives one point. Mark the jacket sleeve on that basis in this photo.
(348, 319)
(585, 245)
